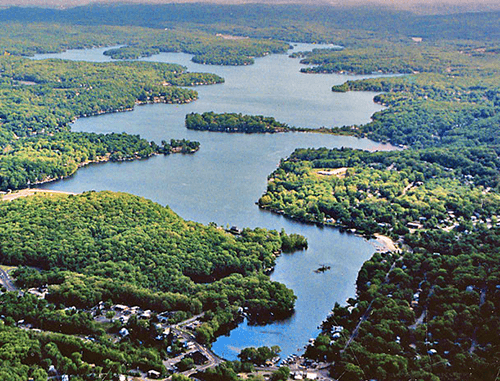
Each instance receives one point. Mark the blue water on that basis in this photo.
(222, 182)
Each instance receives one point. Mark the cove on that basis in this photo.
(222, 182)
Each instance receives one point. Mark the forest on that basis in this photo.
(232, 122)
(120, 248)
(448, 95)
(135, 42)
(427, 312)
(44, 96)
(35, 160)
(134, 233)
(39, 99)
(385, 192)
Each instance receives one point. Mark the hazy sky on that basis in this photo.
(424, 6)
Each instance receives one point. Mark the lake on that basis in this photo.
(222, 182)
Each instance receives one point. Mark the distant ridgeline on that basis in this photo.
(311, 23)
(227, 34)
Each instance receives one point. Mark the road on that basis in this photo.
(420, 320)
(6, 281)
(188, 321)
(368, 310)
(482, 299)
(213, 359)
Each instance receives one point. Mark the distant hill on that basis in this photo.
(417, 6)
(380, 20)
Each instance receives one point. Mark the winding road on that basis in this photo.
(6, 281)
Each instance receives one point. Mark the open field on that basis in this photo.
(28, 192)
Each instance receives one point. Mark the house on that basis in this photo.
(159, 337)
(123, 332)
(235, 230)
(120, 307)
(145, 315)
(198, 357)
(337, 328)
(39, 294)
(136, 310)
(414, 225)
(52, 370)
(336, 335)
(154, 374)
(162, 319)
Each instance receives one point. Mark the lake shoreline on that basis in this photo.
(384, 243)
(223, 181)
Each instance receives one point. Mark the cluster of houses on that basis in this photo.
(303, 375)
(336, 332)
(307, 369)
(125, 312)
(40, 292)
(451, 221)
(193, 325)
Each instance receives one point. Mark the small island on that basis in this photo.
(232, 122)
(254, 124)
